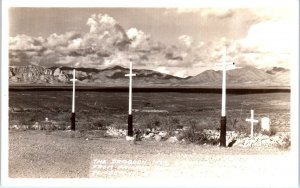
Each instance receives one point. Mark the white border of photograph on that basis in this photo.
(6, 181)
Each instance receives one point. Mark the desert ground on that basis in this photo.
(63, 153)
(35, 154)
(97, 109)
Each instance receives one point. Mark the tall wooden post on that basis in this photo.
(130, 127)
(223, 110)
(73, 102)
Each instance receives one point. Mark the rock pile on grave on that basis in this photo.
(233, 139)
(278, 140)
(111, 131)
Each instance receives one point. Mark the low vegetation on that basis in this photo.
(172, 111)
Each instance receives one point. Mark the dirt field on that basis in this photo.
(37, 154)
(96, 109)
(58, 154)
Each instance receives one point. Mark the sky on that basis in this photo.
(178, 41)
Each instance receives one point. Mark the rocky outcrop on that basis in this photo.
(243, 77)
(36, 74)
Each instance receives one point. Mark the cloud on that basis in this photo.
(220, 13)
(173, 71)
(267, 44)
(267, 14)
(24, 42)
(139, 40)
(100, 23)
(271, 36)
(185, 40)
(105, 31)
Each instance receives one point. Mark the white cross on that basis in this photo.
(130, 88)
(73, 98)
(252, 120)
(224, 66)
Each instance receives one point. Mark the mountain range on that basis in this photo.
(114, 77)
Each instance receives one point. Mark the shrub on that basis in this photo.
(99, 124)
(196, 135)
(271, 132)
(286, 143)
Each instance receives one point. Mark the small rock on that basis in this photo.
(163, 134)
(172, 139)
(37, 126)
(157, 138)
(130, 138)
(147, 137)
(185, 128)
(15, 127)
(179, 136)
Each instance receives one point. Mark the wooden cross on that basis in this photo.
(73, 102)
(130, 75)
(224, 68)
(223, 111)
(252, 120)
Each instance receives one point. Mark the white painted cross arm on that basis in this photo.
(231, 64)
(252, 120)
(130, 74)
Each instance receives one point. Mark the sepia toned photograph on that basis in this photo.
(152, 95)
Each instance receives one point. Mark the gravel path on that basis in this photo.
(37, 154)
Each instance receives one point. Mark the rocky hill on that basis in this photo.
(35, 75)
(115, 76)
(246, 76)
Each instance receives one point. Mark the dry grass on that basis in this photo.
(60, 154)
(96, 110)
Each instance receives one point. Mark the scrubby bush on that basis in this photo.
(271, 132)
(286, 142)
(164, 122)
(194, 134)
(99, 124)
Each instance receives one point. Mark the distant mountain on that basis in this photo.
(276, 70)
(281, 75)
(32, 74)
(115, 76)
(243, 77)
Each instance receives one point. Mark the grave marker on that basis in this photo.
(252, 120)
(265, 123)
(223, 111)
(130, 128)
(73, 102)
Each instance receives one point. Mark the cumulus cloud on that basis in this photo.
(267, 43)
(138, 39)
(185, 40)
(24, 42)
(271, 36)
(271, 41)
(105, 31)
(100, 23)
